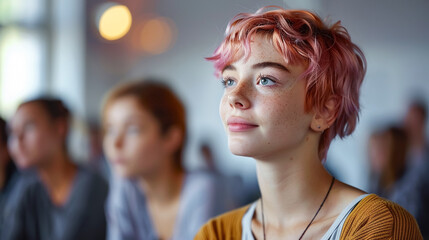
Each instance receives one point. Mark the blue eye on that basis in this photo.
(266, 81)
(228, 82)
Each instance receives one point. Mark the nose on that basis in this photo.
(118, 141)
(239, 97)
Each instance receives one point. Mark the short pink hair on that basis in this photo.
(336, 66)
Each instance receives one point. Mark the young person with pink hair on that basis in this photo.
(291, 86)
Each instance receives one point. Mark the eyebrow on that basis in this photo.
(259, 66)
(228, 67)
(270, 64)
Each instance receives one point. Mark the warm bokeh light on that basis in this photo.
(115, 22)
(156, 35)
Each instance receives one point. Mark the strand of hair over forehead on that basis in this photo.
(336, 66)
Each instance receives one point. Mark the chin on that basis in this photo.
(123, 172)
(241, 149)
(23, 164)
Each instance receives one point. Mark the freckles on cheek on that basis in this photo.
(287, 116)
(282, 112)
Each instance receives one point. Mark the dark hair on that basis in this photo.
(159, 100)
(3, 131)
(54, 108)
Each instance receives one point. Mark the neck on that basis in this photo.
(57, 175)
(292, 187)
(164, 186)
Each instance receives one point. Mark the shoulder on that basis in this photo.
(194, 184)
(90, 181)
(225, 226)
(375, 217)
(123, 195)
(90, 175)
(199, 179)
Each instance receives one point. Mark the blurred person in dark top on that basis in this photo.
(415, 127)
(412, 192)
(61, 200)
(7, 171)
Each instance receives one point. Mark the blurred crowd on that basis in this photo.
(134, 184)
(399, 163)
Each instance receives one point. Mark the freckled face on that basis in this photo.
(133, 141)
(262, 108)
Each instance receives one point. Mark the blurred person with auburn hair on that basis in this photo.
(62, 200)
(152, 196)
(292, 85)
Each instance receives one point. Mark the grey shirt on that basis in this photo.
(128, 217)
(81, 217)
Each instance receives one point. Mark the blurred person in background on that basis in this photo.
(8, 174)
(97, 158)
(292, 84)
(387, 150)
(412, 192)
(230, 187)
(63, 200)
(152, 196)
(415, 127)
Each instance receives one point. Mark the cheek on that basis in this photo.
(143, 150)
(223, 107)
(285, 112)
(108, 147)
(13, 147)
(37, 140)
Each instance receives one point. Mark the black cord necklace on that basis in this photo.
(318, 210)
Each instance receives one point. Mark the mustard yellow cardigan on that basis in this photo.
(373, 218)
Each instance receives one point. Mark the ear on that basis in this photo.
(173, 139)
(326, 116)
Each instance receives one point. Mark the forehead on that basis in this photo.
(26, 112)
(124, 103)
(261, 49)
(124, 107)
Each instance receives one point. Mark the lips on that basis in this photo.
(237, 124)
